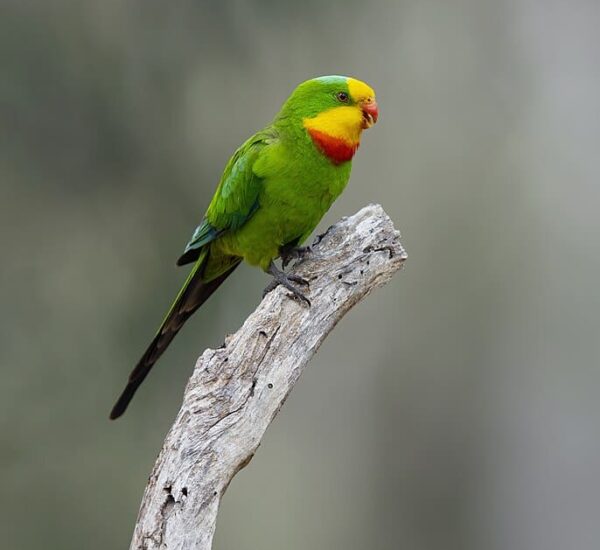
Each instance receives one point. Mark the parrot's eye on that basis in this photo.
(343, 97)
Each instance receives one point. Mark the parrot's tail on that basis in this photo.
(194, 293)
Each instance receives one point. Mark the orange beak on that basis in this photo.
(370, 112)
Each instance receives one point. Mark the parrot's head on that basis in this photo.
(334, 110)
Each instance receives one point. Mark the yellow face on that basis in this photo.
(347, 122)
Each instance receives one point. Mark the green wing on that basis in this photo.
(236, 197)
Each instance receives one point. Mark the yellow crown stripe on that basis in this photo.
(359, 90)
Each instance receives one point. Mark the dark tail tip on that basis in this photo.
(123, 401)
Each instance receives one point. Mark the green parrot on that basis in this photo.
(273, 193)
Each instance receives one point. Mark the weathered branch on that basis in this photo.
(236, 391)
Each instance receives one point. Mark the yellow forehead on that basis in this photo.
(359, 90)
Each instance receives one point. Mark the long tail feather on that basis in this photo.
(193, 294)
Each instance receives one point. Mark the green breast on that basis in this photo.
(303, 189)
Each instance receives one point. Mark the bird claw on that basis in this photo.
(285, 280)
(297, 279)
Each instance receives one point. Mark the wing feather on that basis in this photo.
(236, 197)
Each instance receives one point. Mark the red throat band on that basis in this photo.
(336, 149)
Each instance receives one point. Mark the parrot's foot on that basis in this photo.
(285, 280)
(288, 254)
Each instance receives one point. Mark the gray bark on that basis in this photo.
(235, 391)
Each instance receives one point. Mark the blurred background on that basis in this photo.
(456, 408)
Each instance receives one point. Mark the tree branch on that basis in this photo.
(235, 391)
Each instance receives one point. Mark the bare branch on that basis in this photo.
(235, 391)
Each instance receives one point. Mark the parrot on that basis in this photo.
(273, 192)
